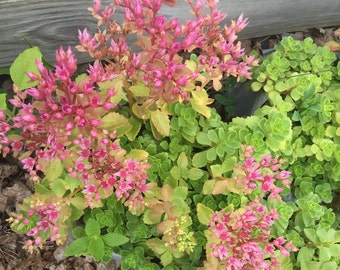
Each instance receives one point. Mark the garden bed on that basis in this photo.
(15, 186)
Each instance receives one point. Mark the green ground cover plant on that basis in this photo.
(130, 158)
(302, 81)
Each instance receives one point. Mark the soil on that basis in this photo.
(15, 184)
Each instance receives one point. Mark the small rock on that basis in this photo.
(59, 267)
(3, 203)
(17, 193)
(59, 254)
(299, 35)
(337, 33)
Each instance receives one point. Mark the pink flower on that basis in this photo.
(17, 145)
(137, 9)
(237, 264)
(241, 239)
(182, 81)
(96, 6)
(159, 22)
(217, 16)
(240, 24)
(28, 163)
(222, 252)
(16, 103)
(283, 175)
(43, 225)
(33, 77)
(189, 40)
(38, 241)
(249, 216)
(53, 214)
(254, 174)
(87, 41)
(33, 232)
(35, 93)
(90, 189)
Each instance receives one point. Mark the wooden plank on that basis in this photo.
(54, 23)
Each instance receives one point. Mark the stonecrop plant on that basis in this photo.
(130, 158)
(160, 73)
(302, 81)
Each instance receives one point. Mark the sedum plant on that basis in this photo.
(159, 73)
(302, 81)
(119, 155)
(131, 159)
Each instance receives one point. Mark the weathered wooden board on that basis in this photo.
(52, 23)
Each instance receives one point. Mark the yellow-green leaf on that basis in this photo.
(195, 174)
(54, 170)
(182, 160)
(136, 126)
(208, 186)
(204, 214)
(191, 64)
(113, 121)
(256, 86)
(78, 247)
(79, 202)
(58, 188)
(71, 183)
(161, 122)
(137, 154)
(199, 102)
(220, 186)
(123, 130)
(25, 62)
(117, 85)
(157, 245)
(166, 257)
(139, 90)
(167, 192)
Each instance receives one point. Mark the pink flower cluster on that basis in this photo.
(60, 120)
(241, 239)
(158, 59)
(106, 173)
(48, 225)
(60, 109)
(264, 174)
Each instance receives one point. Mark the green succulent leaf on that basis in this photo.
(199, 103)
(203, 139)
(166, 257)
(25, 62)
(257, 86)
(199, 160)
(204, 213)
(157, 245)
(92, 228)
(97, 248)
(113, 121)
(311, 235)
(114, 239)
(58, 188)
(139, 90)
(161, 122)
(3, 101)
(195, 174)
(305, 254)
(54, 170)
(78, 247)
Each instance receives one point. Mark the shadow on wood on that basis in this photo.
(50, 24)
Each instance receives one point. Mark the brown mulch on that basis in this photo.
(15, 186)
